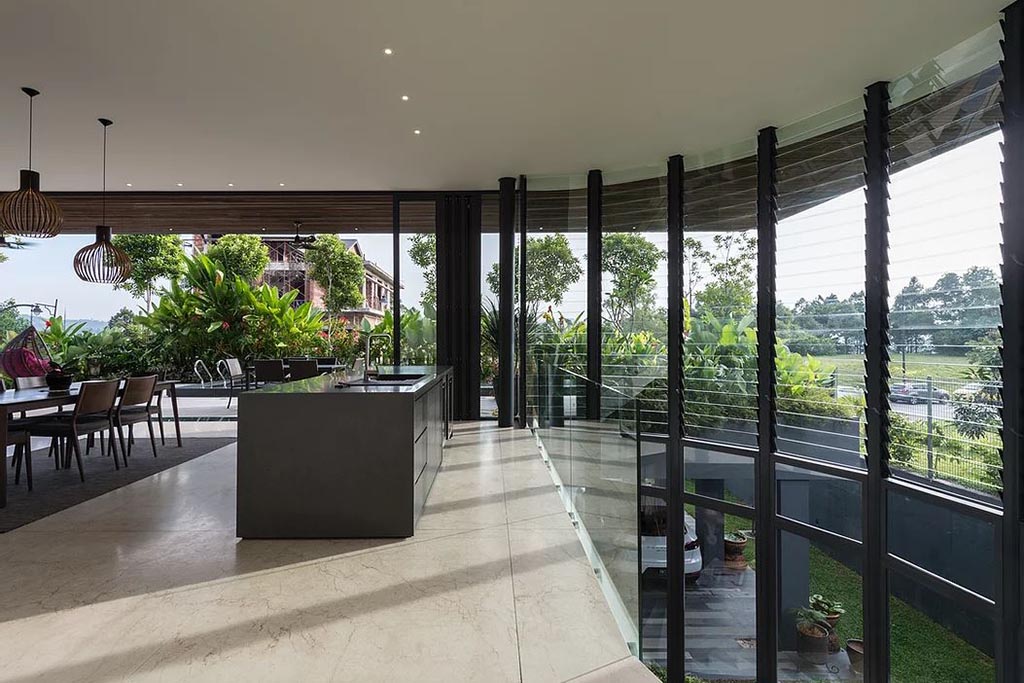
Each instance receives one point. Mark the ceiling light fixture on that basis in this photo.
(101, 261)
(27, 212)
(181, 184)
(280, 184)
(417, 131)
(388, 51)
(127, 184)
(231, 184)
(405, 98)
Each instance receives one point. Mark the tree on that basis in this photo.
(631, 260)
(731, 271)
(551, 268)
(423, 252)
(122, 319)
(153, 257)
(243, 255)
(339, 271)
(11, 321)
(695, 262)
(911, 317)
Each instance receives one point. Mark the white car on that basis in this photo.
(654, 552)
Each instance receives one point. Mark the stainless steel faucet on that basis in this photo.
(369, 340)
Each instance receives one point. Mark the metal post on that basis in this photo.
(523, 342)
(766, 539)
(1009, 663)
(594, 331)
(396, 300)
(506, 281)
(928, 440)
(876, 320)
(676, 624)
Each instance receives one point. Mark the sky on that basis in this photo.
(944, 216)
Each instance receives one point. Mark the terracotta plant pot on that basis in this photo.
(855, 651)
(812, 643)
(734, 549)
(833, 619)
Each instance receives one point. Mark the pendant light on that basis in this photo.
(27, 212)
(101, 261)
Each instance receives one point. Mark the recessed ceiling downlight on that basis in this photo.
(388, 51)
(405, 98)
(417, 131)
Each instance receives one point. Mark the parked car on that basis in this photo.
(917, 392)
(977, 392)
(654, 551)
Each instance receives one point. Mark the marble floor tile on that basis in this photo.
(149, 583)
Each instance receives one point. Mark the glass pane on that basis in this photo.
(824, 501)
(719, 475)
(635, 290)
(943, 541)
(490, 321)
(821, 624)
(934, 640)
(721, 597)
(418, 249)
(719, 264)
(945, 273)
(820, 299)
(556, 286)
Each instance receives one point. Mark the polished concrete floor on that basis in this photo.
(149, 583)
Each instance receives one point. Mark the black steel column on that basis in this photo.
(523, 342)
(876, 322)
(396, 300)
(766, 538)
(506, 309)
(1008, 660)
(594, 222)
(676, 636)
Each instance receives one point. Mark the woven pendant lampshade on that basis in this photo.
(27, 212)
(102, 262)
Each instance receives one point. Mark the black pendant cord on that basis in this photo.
(31, 100)
(106, 123)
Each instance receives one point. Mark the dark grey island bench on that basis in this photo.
(319, 461)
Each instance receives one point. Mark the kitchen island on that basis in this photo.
(339, 456)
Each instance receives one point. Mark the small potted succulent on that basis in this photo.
(735, 544)
(855, 651)
(832, 609)
(812, 635)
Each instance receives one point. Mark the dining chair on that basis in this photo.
(327, 362)
(269, 370)
(93, 413)
(25, 383)
(302, 369)
(136, 406)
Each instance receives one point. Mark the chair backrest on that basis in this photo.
(294, 359)
(234, 367)
(97, 397)
(138, 391)
(269, 370)
(303, 369)
(329, 361)
(29, 382)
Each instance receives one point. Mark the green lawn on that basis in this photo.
(919, 366)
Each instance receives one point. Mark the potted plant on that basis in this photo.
(855, 651)
(812, 635)
(735, 544)
(57, 379)
(832, 609)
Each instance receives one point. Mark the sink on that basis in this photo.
(404, 379)
(386, 381)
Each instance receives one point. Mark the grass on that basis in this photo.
(919, 366)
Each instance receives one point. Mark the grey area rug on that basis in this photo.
(55, 490)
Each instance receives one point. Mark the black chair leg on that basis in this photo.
(152, 437)
(160, 417)
(17, 464)
(78, 456)
(89, 441)
(120, 438)
(26, 451)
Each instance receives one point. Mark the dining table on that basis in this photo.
(14, 401)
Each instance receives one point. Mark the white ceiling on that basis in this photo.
(260, 92)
